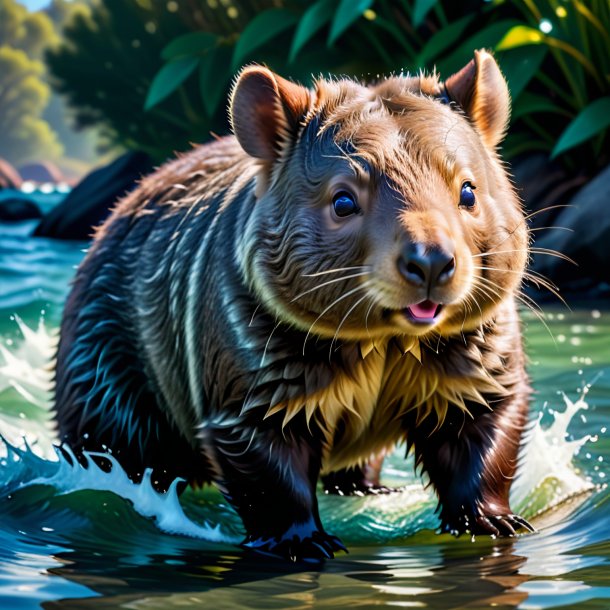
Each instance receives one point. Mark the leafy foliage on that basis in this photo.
(181, 77)
(570, 77)
(109, 61)
(23, 92)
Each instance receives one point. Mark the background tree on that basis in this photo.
(82, 146)
(23, 98)
(35, 122)
(155, 73)
(108, 60)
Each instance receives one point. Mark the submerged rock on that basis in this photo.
(90, 202)
(14, 209)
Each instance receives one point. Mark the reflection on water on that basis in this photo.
(78, 538)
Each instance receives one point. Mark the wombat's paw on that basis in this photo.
(358, 489)
(501, 525)
(312, 548)
(492, 525)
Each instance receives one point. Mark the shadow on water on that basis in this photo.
(434, 575)
(431, 571)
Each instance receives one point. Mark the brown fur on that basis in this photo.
(274, 333)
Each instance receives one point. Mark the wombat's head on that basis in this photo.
(380, 210)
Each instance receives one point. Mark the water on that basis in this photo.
(72, 537)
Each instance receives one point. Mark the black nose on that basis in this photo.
(424, 266)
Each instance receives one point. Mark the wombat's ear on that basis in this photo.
(265, 111)
(481, 91)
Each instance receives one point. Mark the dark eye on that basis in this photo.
(345, 204)
(467, 198)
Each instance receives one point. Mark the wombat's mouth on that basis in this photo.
(425, 312)
(421, 314)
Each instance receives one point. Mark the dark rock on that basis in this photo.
(18, 208)
(544, 186)
(41, 172)
(587, 242)
(90, 202)
(9, 176)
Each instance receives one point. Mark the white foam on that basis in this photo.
(546, 477)
(547, 461)
(164, 508)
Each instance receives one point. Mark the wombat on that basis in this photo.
(336, 278)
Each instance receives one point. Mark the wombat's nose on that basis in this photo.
(424, 266)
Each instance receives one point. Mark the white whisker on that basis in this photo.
(329, 307)
(337, 279)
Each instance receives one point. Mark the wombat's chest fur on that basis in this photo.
(289, 302)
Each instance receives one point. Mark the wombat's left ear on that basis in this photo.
(265, 111)
(481, 91)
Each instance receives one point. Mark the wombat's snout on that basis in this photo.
(427, 266)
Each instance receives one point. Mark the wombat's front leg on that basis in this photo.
(471, 463)
(269, 476)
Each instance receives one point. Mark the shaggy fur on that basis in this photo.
(226, 325)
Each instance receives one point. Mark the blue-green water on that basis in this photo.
(79, 538)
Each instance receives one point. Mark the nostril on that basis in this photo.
(421, 265)
(448, 270)
(415, 270)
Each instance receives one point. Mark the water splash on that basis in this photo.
(26, 387)
(65, 475)
(547, 475)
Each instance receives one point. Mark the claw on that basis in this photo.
(328, 554)
(487, 524)
(523, 523)
(494, 525)
(360, 490)
(505, 523)
(337, 544)
(313, 548)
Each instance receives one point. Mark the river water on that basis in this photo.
(74, 537)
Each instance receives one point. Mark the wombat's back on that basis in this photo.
(128, 373)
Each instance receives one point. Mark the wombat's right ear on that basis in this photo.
(265, 111)
(481, 91)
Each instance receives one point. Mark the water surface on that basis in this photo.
(72, 537)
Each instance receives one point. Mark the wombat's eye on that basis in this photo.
(467, 198)
(344, 204)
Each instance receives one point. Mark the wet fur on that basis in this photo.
(186, 346)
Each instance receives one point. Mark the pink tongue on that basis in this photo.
(425, 309)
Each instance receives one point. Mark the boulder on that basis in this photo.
(13, 209)
(544, 186)
(90, 202)
(587, 242)
(9, 176)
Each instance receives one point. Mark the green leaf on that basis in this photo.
(168, 79)
(590, 121)
(421, 9)
(487, 38)
(348, 12)
(520, 65)
(313, 19)
(529, 103)
(193, 43)
(263, 28)
(519, 36)
(442, 40)
(214, 77)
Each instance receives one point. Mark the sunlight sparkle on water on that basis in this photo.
(547, 475)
